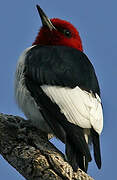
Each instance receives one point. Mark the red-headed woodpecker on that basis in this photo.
(57, 89)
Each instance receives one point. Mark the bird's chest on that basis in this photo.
(26, 102)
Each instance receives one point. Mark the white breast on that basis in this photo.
(24, 99)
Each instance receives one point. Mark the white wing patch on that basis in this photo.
(80, 107)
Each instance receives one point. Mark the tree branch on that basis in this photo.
(30, 152)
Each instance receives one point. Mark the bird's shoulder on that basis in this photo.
(62, 66)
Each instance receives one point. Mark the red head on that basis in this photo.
(57, 32)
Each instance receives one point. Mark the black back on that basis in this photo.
(62, 66)
(65, 67)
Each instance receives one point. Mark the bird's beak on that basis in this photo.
(45, 20)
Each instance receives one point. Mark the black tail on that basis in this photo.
(77, 150)
(96, 147)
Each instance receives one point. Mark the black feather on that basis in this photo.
(77, 150)
(65, 67)
(70, 134)
(96, 147)
(75, 157)
(61, 66)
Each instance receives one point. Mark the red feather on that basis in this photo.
(55, 37)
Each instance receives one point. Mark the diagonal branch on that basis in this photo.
(30, 152)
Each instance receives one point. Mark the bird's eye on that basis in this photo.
(67, 33)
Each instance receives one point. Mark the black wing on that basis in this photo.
(62, 66)
(68, 133)
(68, 67)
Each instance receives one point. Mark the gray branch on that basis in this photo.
(30, 152)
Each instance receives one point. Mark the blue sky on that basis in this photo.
(96, 22)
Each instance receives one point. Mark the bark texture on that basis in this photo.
(29, 151)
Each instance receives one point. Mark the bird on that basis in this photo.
(57, 89)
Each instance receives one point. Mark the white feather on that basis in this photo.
(80, 107)
(24, 99)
